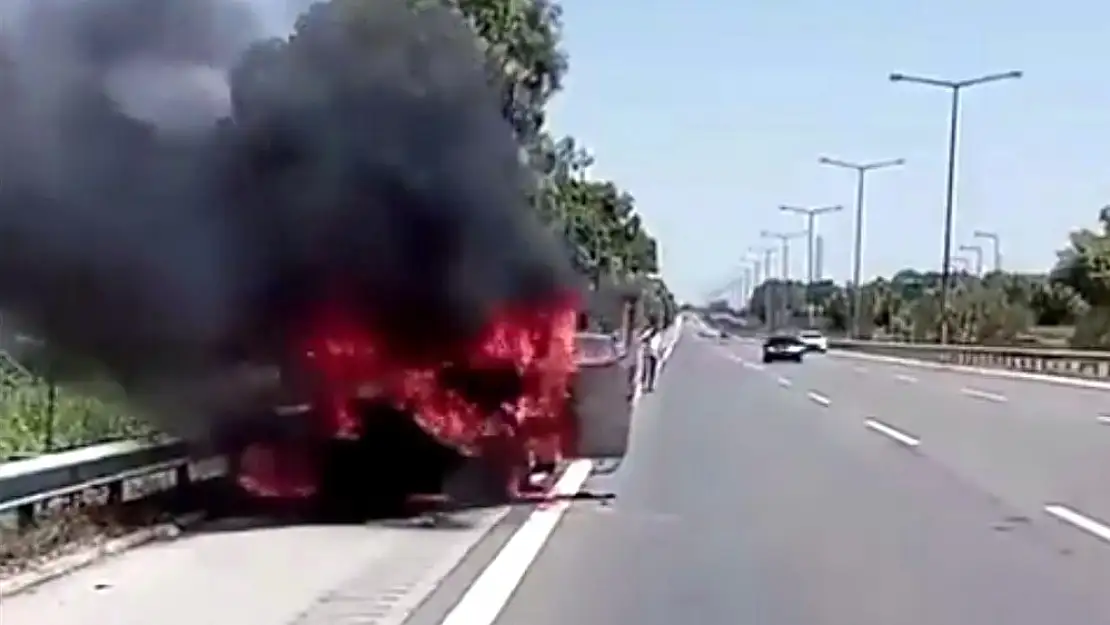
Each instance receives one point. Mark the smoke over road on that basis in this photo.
(180, 193)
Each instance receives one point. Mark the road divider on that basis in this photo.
(1077, 368)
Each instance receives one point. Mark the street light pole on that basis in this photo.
(962, 261)
(767, 254)
(861, 170)
(996, 246)
(746, 288)
(784, 241)
(955, 87)
(978, 251)
(811, 215)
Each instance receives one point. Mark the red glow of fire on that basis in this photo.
(540, 343)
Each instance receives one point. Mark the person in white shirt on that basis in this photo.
(652, 351)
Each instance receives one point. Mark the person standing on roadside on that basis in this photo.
(652, 348)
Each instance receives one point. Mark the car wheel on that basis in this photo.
(798, 358)
(767, 360)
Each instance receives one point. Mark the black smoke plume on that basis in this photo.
(178, 191)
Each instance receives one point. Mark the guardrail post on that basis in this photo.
(25, 517)
(51, 410)
(183, 490)
(115, 493)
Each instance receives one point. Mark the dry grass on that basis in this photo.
(68, 531)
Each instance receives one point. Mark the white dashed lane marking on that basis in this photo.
(818, 398)
(987, 395)
(889, 432)
(1081, 521)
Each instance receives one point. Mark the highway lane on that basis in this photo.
(1031, 444)
(746, 501)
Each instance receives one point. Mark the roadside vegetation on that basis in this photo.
(1067, 306)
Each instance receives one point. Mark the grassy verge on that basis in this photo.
(35, 421)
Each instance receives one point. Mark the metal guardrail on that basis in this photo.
(1087, 364)
(1070, 363)
(112, 473)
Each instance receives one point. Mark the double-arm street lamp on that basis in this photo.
(955, 87)
(811, 214)
(861, 170)
(784, 239)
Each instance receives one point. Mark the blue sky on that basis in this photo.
(713, 113)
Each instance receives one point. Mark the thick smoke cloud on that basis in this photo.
(178, 191)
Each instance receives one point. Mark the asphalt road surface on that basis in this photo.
(763, 495)
(834, 492)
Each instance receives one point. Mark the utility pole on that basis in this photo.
(996, 246)
(955, 87)
(784, 239)
(861, 170)
(978, 251)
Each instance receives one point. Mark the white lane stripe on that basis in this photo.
(490, 593)
(1104, 419)
(890, 432)
(901, 377)
(753, 366)
(818, 398)
(860, 369)
(972, 392)
(784, 382)
(1083, 522)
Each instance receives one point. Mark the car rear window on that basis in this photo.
(811, 334)
(782, 340)
(595, 347)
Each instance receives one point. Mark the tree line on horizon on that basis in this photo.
(1067, 306)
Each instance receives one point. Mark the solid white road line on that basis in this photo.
(995, 397)
(909, 379)
(890, 432)
(783, 382)
(487, 597)
(818, 398)
(490, 593)
(1083, 522)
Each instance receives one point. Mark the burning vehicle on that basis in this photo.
(313, 251)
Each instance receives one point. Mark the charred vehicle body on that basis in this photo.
(336, 429)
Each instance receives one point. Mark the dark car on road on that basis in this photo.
(783, 347)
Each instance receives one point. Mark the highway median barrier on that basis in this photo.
(1066, 364)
